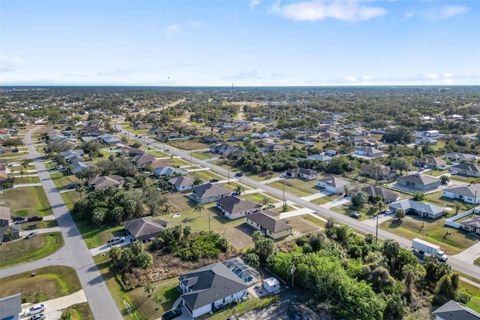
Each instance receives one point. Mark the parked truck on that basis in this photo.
(424, 248)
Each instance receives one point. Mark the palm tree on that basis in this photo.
(80, 189)
(199, 208)
(266, 201)
(239, 189)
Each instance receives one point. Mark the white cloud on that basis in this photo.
(314, 10)
(254, 3)
(8, 63)
(357, 79)
(443, 12)
(172, 29)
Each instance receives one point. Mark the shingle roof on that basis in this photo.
(467, 166)
(268, 222)
(452, 310)
(408, 204)
(143, 158)
(468, 191)
(105, 181)
(10, 306)
(181, 181)
(419, 179)
(335, 181)
(374, 191)
(209, 284)
(208, 190)
(234, 205)
(144, 228)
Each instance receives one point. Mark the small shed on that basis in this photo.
(271, 284)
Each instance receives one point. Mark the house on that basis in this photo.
(419, 182)
(431, 163)
(224, 149)
(109, 139)
(142, 161)
(319, 157)
(468, 194)
(5, 217)
(472, 224)
(78, 167)
(331, 152)
(421, 209)
(131, 152)
(102, 182)
(307, 174)
(181, 183)
(210, 139)
(72, 156)
(208, 192)
(270, 226)
(234, 208)
(457, 156)
(368, 152)
(375, 191)
(168, 172)
(453, 310)
(11, 307)
(466, 169)
(145, 228)
(333, 184)
(210, 288)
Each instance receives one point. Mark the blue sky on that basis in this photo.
(257, 42)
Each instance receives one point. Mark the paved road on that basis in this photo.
(456, 262)
(75, 253)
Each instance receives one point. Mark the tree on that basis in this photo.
(252, 259)
(394, 309)
(159, 300)
(400, 164)
(359, 199)
(398, 135)
(266, 201)
(447, 289)
(197, 180)
(239, 189)
(419, 196)
(154, 200)
(148, 288)
(445, 179)
(399, 214)
(264, 247)
(199, 208)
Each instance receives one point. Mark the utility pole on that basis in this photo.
(376, 230)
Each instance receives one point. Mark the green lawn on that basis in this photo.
(17, 169)
(38, 225)
(188, 144)
(296, 187)
(258, 197)
(263, 177)
(238, 309)
(26, 180)
(325, 199)
(465, 179)
(437, 173)
(316, 221)
(80, 311)
(25, 250)
(70, 198)
(157, 153)
(345, 209)
(16, 154)
(474, 302)
(48, 283)
(432, 231)
(206, 175)
(27, 201)
(205, 155)
(95, 236)
(61, 181)
(437, 199)
(477, 262)
(233, 186)
(440, 144)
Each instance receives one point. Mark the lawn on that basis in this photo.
(80, 311)
(437, 146)
(437, 199)
(258, 197)
(296, 187)
(48, 283)
(95, 236)
(25, 250)
(477, 262)
(474, 302)
(206, 175)
(26, 180)
(173, 161)
(20, 168)
(345, 209)
(325, 199)
(61, 181)
(157, 153)
(233, 186)
(188, 144)
(38, 225)
(465, 179)
(263, 177)
(238, 309)
(316, 221)
(204, 155)
(27, 201)
(70, 198)
(437, 173)
(16, 154)
(432, 231)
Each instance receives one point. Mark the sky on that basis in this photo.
(239, 42)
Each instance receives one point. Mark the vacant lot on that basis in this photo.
(206, 175)
(48, 283)
(305, 224)
(157, 153)
(26, 201)
(451, 240)
(188, 145)
(296, 187)
(24, 180)
(173, 162)
(70, 198)
(61, 181)
(259, 198)
(204, 155)
(25, 250)
(95, 236)
(263, 176)
(79, 311)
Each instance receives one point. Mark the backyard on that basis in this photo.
(26, 201)
(25, 250)
(41, 284)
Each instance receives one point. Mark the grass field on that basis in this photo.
(79, 311)
(60, 180)
(70, 198)
(38, 225)
(188, 144)
(474, 302)
(25, 180)
(345, 209)
(11, 155)
(27, 201)
(296, 187)
(325, 199)
(316, 221)
(95, 236)
(437, 199)
(263, 177)
(157, 153)
(432, 231)
(258, 197)
(25, 250)
(206, 175)
(17, 169)
(233, 186)
(437, 173)
(465, 179)
(48, 283)
(204, 155)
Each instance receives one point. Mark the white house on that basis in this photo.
(468, 194)
(333, 184)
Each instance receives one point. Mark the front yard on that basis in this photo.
(26, 201)
(25, 250)
(296, 187)
(451, 240)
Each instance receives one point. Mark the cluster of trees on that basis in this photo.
(258, 162)
(188, 246)
(109, 206)
(402, 135)
(357, 278)
(124, 259)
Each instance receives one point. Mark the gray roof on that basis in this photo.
(460, 156)
(181, 181)
(144, 228)
(10, 306)
(209, 284)
(473, 222)
(335, 181)
(467, 167)
(467, 191)
(419, 179)
(408, 204)
(374, 191)
(234, 205)
(452, 310)
(268, 222)
(105, 181)
(143, 159)
(208, 190)
(5, 213)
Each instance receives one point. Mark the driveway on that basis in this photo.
(56, 306)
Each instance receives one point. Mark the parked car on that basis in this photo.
(115, 240)
(36, 309)
(31, 235)
(39, 316)
(172, 314)
(356, 215)
(238, 174)
(19, 220)
(34, 218)
(213, 180)
(270, 206)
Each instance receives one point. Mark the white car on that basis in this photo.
(116, 240)
(36, 309)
